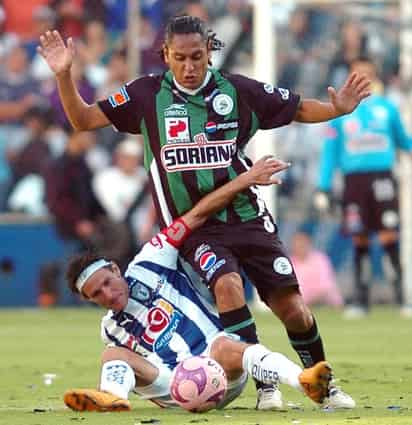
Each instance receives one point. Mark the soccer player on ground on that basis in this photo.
(156, 318)
(196, 122)
(363, 146)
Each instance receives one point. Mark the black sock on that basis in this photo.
(392, 251)
(240, 322)
(361, 256)
(308, 345)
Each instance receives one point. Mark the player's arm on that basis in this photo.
(341, 102)
(59, 57)
(260, 174)
(163, 248)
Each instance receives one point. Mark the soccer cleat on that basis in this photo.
(269, 397)
(315, 381)
(338, 399)
(355, 312)
(94, 401)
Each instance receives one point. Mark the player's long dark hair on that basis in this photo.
(186, 24)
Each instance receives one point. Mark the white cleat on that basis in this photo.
(269, 397)
(355, 312)
(406, 311)
(338, 399)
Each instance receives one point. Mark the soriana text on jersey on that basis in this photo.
(198, 155)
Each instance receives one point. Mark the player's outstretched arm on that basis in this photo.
(341, 102)
(260, 174)
(59, 57)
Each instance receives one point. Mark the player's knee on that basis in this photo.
(229, 287)
(228, 356)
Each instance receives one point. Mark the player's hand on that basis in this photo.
(263, 170)
(347, 98)
(58, 56)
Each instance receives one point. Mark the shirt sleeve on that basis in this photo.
(124, 108)
(273, 106)
(402, 139)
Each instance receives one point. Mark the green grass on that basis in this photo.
(371, 358)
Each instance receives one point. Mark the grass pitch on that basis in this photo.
(371, 358)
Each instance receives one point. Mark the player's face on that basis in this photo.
(187, 57)
(107, 288)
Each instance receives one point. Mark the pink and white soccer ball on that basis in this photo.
(198, 384)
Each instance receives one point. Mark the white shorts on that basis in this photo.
(159, 391)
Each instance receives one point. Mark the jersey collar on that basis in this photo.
(195, 91)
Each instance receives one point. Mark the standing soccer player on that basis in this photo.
(196, 121)
(363, 146)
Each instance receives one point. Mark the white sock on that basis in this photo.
(118, 378)
(271, 368)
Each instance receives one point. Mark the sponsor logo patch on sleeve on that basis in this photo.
(119, 98)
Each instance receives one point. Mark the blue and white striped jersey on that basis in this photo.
(364, 141)
(166, 319)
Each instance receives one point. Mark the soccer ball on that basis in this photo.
(198, 384)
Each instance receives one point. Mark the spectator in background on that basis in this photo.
(115, 18)
(299, 68)
(19, 17)
(72, 15)
(94, 52)
(118, 186)
(314, 271)
(354, 45)
(85, 88)
(71, 200)
(122, 188)
(70, 197)
(18, 93)
(117, 74)
(8, 40)
(363, 146)
(36, 154)
(42, 21)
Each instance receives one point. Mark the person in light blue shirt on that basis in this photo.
(363, 146)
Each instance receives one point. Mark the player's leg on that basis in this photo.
(390, 244)
(206, 252)
(386, 213)
(274, 277)
(122, 370)
(361, 275)
(270, 367)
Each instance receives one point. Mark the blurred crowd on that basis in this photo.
(93, 184)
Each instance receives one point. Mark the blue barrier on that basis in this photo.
(24, 246)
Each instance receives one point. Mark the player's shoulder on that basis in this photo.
(156, 251)
(239, 80)
(389, 103)
(107, 320)
(146, 82)
(257, 90)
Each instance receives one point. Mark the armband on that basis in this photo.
(177, 232)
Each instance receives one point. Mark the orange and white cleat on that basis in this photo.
(83, 400)
(315, 381)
